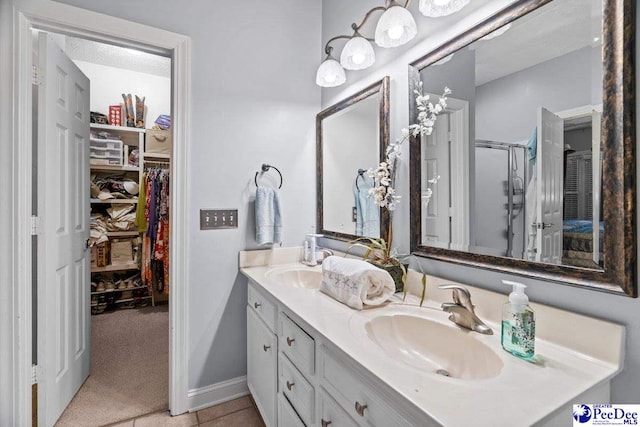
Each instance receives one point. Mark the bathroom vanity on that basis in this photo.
(312, 361)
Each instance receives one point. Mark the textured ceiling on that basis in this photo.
(554, 30)
(119, 57)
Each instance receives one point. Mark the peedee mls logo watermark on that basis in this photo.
(605, 415)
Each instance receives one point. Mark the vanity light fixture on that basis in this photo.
(437, 8)
(330, 73)
(396, 26)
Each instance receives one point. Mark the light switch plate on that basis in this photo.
(215, 219)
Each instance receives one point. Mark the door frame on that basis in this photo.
(65, 19)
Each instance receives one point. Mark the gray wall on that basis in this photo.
(558, 84)
(337, 16)
(254, 101)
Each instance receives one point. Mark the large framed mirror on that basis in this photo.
(530, 170)
(351, 137)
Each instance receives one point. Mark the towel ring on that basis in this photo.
(265, 168)
(360, 172)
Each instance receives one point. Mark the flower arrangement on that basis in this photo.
(384, 194)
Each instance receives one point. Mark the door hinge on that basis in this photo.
(35, 225)
(34, 374)
(36, 75)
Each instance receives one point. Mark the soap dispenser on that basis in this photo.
(518, 323)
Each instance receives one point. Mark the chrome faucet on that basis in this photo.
(462, 312)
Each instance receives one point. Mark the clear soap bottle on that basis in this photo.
(518, 323)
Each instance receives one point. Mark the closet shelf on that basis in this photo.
(96, 304)
(120, 267)
(115, 201)
(117, 128)
(157, 156)
(133, 233)
(107, 291)
(111, 168)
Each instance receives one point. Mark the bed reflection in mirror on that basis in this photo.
(513, 167)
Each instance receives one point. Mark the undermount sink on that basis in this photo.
(296, 277)
(434, 347)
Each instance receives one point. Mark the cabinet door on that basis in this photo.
(262, 365)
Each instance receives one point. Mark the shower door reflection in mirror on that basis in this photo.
(513, 166)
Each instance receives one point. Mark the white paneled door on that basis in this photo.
(436, 229)
(64, 348)
(550, 170)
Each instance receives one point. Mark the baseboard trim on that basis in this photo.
(200, 398)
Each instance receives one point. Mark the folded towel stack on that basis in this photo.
(355, 283)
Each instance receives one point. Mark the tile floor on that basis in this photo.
(235, 413)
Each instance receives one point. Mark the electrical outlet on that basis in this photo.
(211, 219)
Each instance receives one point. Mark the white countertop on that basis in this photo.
(522, 394)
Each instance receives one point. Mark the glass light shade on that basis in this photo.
(444, 60)
(357, 54)
(437, 8)
(330, 73)
(395, 27)
(500, 31)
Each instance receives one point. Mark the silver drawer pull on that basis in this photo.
(266, 347)
(256, 305)
(325, 423)
(290, 385)
(290, 341)
(360, 409)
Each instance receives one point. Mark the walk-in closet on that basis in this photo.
(129, 162)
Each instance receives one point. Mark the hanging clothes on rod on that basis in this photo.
(153, 221)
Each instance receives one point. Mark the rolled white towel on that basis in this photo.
(355, 283)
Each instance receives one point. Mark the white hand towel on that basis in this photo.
(268, 216)
(355, 283)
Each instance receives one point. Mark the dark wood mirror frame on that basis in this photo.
(380, 87)
(619, 158)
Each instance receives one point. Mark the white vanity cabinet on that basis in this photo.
(297, 379)
(313, 362)
(262, 355)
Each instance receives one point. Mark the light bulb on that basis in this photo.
(330, 73)
(395, 32)
(395, 27)
(357, 54)
(358, 58)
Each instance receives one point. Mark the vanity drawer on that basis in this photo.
(297, 389)
(297, 344)
(286, 415)
(352, 393)
(331, 414)
(262, 306)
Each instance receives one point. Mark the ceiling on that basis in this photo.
(118, 57)
(560, 27)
